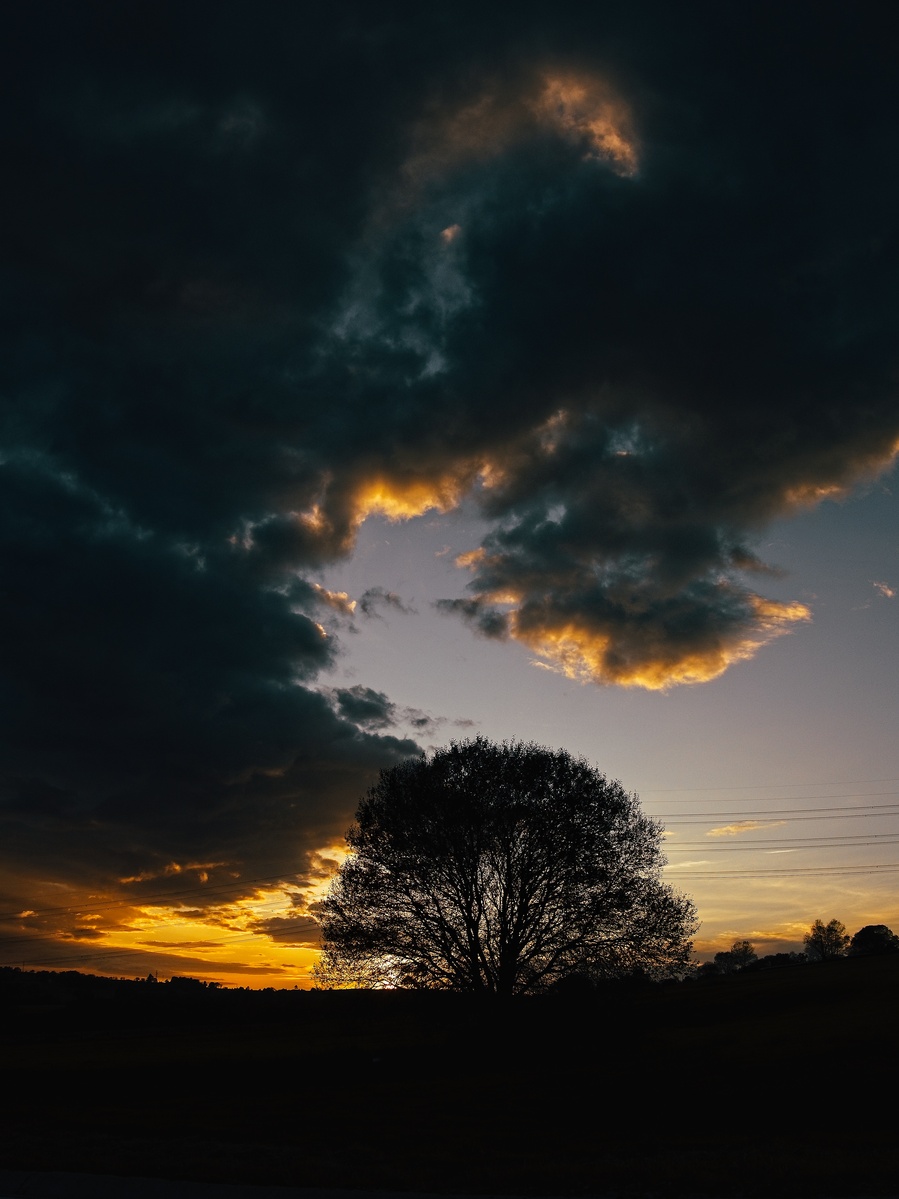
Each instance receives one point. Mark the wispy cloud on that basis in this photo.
(743, 826)
(379, 597)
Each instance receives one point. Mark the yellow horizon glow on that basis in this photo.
(209, 937)
(783, 910)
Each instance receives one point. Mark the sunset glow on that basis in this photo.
(528, 379)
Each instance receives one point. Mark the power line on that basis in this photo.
(757, 846)
(801, 798)
(715, 813)
(786, 817)
(798, 872)
(768, 786)
(876, 811)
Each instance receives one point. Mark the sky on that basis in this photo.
(375, 377)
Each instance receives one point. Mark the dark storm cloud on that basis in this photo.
(365, 706)
(168, 230)
(626, 278)
(372, 709)
(664, 355)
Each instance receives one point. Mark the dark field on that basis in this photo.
(779, 1082)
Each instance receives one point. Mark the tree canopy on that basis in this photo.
(873, 939)
(738, 957)
(824, 941)
(500, 868)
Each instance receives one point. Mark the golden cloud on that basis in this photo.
(314, 519)
(471, 559)
(404, 499)
(808, 495)
(339, 600)
(583, 108)
(170, 869)
(743, 826)
(848, 473)
(582, 652)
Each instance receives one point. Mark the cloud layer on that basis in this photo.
(627, 282)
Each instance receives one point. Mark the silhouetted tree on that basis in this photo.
(500, 868)
(738, 957)
(872, 939)
(824, 941)
(706, 970)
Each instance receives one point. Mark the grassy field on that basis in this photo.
(778, 1082)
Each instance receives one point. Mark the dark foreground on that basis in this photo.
(776, 1083)
(22, 1184)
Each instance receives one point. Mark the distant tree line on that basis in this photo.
(39, 991)
(823, 942)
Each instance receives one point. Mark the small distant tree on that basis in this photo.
(500, 868)
(873, 939)
(738, 957)
(825, 941)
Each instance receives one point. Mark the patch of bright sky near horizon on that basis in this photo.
(809, 723)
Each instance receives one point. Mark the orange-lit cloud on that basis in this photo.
(584, 109)
(339, 600)
(809, 495)
(580, 107)
(743, 826)
(580, 650)
(404, 499)
(170, 869)
(314, 518)
(847, 471)
(471, 558)
(626, 633)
